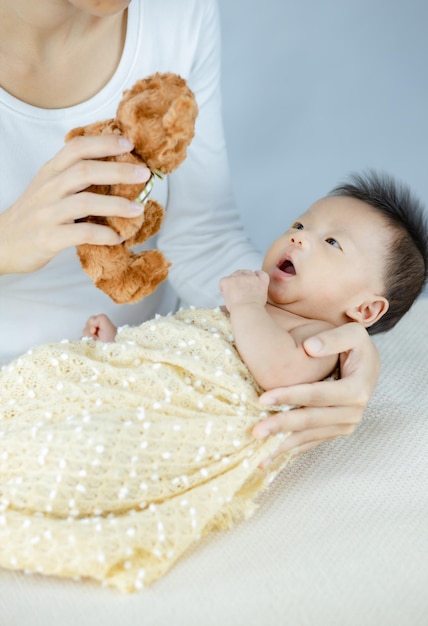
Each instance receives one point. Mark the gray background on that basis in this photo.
(313, 90)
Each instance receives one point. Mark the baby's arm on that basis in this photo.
(101, 328)
(274, 355)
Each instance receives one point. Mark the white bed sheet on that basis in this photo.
(341, 538)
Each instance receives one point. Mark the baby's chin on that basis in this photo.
(279, 304)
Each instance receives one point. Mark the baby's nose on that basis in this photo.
(297, 240)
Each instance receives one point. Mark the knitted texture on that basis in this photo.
(116, 457)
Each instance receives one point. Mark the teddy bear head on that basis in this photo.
(158, 116)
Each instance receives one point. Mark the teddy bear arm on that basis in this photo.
(153, 218)
(107, 127)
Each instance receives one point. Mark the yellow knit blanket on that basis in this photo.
(115, 458)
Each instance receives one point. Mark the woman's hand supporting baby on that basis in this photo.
(329, 409)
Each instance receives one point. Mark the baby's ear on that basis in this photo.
(369, 312)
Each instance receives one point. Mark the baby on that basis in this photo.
(120, 453)
(358, 255)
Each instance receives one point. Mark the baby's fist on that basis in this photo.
(100, 327)
(244, 287)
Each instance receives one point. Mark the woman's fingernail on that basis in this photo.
(266, 462)
(314, 345)
(262, 433)
(125, 143)
(136, 208)
(142, 173)
(266, 400)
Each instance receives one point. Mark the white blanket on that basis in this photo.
(341, 538)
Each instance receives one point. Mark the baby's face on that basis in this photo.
(331, 258)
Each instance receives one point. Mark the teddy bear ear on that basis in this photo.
(106, 127)
(139, 87)
(75, 132)
(180, 117)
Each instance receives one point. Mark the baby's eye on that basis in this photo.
(297, 226)
(333, 242)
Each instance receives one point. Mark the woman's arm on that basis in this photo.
(41, 223)
(330, 409)
(202, 234)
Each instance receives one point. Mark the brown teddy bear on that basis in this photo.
(158, 116)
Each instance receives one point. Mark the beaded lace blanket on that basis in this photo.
(116, 457)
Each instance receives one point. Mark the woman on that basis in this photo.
(65, 63)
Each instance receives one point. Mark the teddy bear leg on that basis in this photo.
(100, 261)
(138, 276)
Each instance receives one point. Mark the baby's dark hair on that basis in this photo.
(406, 268)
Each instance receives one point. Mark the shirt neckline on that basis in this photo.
(111, 92)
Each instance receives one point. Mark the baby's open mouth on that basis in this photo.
(287, 267)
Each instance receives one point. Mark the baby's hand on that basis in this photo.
(245, 287)
(100, 327)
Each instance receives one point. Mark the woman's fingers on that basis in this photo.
(306, 419)
(328, 409)
(86, 232)
(79, 164)
(300, 441)
(322, 394)
(42, 220)
(81, 205)
(337, 340)
(295, 450)
(359, 363)
(86, 173)
(88, 147)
